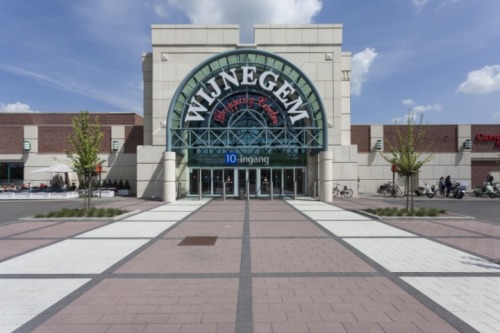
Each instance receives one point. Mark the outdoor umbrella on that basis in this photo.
(55, 169)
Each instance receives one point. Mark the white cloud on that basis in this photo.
(484, 80)
(361, 63)
(16, 107)
(249, 13)
(161, 11)
(416, 111)
(425, 108)
(419, 3)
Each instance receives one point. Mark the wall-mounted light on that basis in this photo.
(468, 144)
(114, 145)
(379, 145)
(26, 145)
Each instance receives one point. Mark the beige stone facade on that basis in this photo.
(315, 49)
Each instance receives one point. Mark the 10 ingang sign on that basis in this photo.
(234, 159)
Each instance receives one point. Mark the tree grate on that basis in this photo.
(198, 241)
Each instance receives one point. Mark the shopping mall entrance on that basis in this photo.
(260, 181)
(246, 121)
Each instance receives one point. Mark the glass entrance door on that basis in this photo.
(206, 182)
(217, 179)
(288, 180)
(236, 180)
(277, 182)
(247, 176)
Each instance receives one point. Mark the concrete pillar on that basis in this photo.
(169, 188)
(325, 176)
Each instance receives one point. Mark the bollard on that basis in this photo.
(295, 190)
(223, 191)
(315, 190)
(199, 185)
(271, 189)
(248, 190)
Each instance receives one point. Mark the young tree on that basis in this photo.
(86, 142)
(407, 152)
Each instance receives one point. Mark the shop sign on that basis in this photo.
(234, 159)
(246, 77)
(489, 137)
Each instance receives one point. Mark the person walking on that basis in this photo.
(447, 184)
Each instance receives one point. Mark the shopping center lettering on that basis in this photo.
(489, 137)
(269, 81)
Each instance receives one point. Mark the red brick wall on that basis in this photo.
(133, 138)
(442, 138)
(54, 139)
(485, 146)
(11, 139)
(54, 129)
(360, 135)
(65, 118)
(480, 169)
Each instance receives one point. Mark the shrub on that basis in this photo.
(93, 212)
(394, 211)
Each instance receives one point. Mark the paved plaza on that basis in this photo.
(281, 266)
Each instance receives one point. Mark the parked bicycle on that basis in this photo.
(343, 191)
(393, 190)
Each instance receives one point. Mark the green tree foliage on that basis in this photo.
(409, 152)
(86, 142)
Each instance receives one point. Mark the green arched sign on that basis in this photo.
(246, 99)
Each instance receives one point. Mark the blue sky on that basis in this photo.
(436, 57)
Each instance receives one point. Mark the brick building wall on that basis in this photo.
(360, 136)
(437, 138)
(11, 139)
(54, 129)
(23, 119)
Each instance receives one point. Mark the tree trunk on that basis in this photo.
(89, 193)
(412, 190)
(88, 180)
(407, 186)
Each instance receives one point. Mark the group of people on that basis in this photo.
(445, 184)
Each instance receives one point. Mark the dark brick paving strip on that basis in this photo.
(281, 283)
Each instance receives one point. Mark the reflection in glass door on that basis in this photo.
(242, 180)
(300, 179)
(193, 181)
(265, 178)
(206, 182)
(277, 182)
(252, 181)
(288, 179)
(229, 179)
(217, 178)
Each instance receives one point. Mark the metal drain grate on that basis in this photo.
(198, 241)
